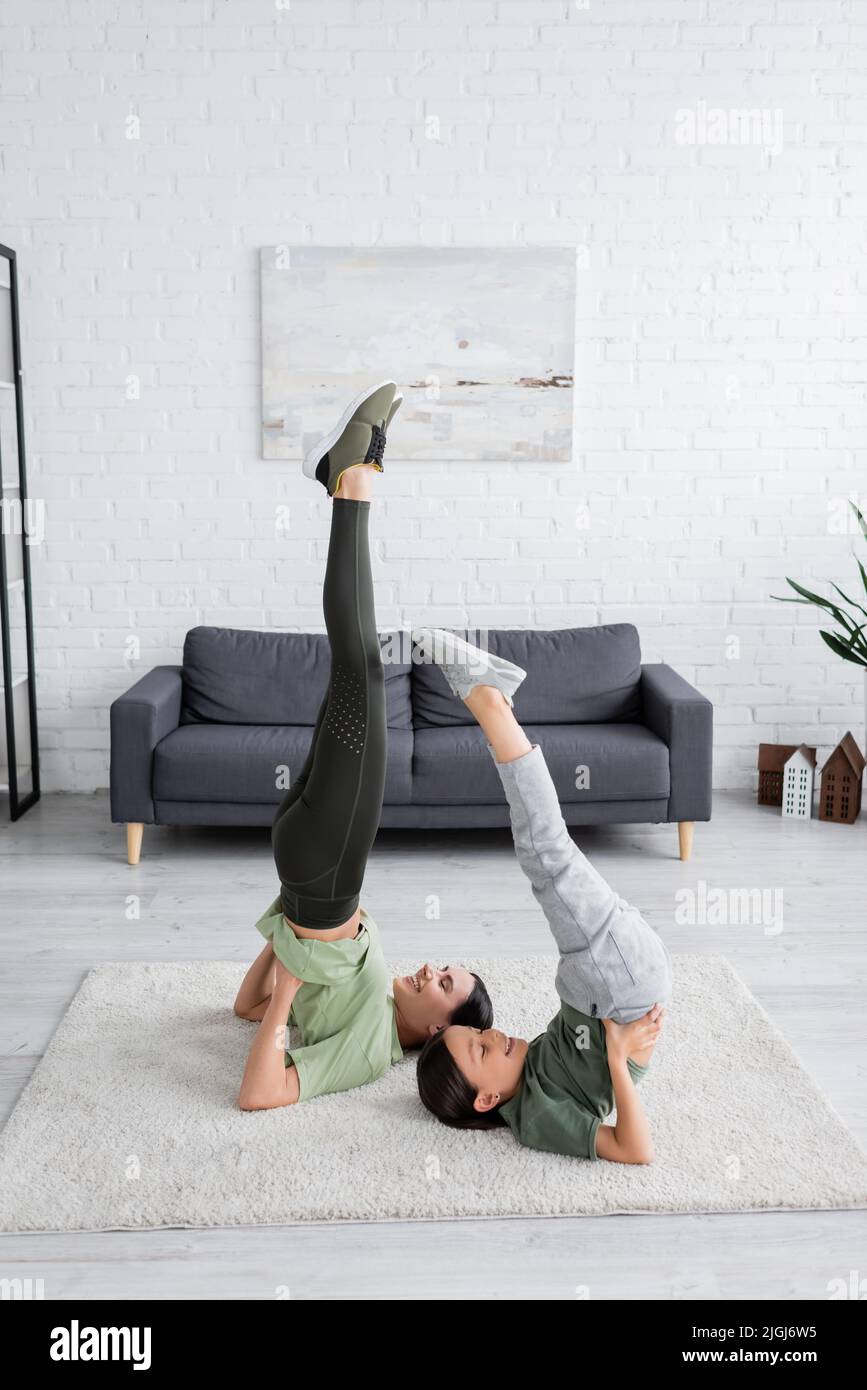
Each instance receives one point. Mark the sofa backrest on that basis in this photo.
(236, 676)
(575, 675)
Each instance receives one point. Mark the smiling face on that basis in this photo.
(492, 1062)
(427, 999)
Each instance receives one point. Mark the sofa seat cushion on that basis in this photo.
(239, 762)
(575, 675)
(625, 762)
(238, 676)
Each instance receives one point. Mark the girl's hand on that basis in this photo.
(623, 1039)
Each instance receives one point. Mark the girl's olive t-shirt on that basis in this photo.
(566, 1090)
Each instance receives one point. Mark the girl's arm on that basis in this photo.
(630, 1140)
(267, 1081)
(255, 992)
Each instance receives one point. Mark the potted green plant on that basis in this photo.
(849, 640)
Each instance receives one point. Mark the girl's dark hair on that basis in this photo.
(477, 1011)
(445, 1091)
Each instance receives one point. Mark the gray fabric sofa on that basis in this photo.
(203, 743)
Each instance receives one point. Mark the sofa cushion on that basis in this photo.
(625, 762)
(236, 676)
(575, 675)
(239, 762)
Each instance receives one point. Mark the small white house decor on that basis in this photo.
(798, 775)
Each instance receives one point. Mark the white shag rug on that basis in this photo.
(130, 1119)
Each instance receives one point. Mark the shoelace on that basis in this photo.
(377, 445)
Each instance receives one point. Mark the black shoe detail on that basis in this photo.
(322, 471)
(377, 446)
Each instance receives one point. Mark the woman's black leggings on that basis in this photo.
(328, 819)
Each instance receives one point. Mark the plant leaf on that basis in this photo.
(849, 600)
(854, 640)
(840, 649)
(857, 640)
(861, 521)
(814, 598)
(845, 621)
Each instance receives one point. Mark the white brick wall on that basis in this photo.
(722, 323)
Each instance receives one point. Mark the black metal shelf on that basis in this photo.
(19, 776)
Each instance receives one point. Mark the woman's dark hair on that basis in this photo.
(445, 1091)
(477, 1011)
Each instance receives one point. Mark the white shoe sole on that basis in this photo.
(314, 457)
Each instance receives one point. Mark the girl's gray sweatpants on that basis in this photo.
(612, 962)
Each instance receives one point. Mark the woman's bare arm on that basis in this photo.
(255, 992)
(267, 1081)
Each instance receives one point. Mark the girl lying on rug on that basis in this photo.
(613, 977)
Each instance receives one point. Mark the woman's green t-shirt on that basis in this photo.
(343, 1010)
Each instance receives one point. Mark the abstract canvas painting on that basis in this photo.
(481, 342)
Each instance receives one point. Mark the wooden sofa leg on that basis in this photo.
(134, 831)
(685, 831)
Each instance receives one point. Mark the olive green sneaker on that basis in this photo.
(357, 438)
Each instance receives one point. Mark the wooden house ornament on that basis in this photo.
(772, 760)
(840, 791)
(798, 774)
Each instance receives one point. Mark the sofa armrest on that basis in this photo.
(683, 718)
(140, 718)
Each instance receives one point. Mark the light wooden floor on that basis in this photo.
(63, 891)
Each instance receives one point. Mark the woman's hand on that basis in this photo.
(624, 1039)
(284, 977)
